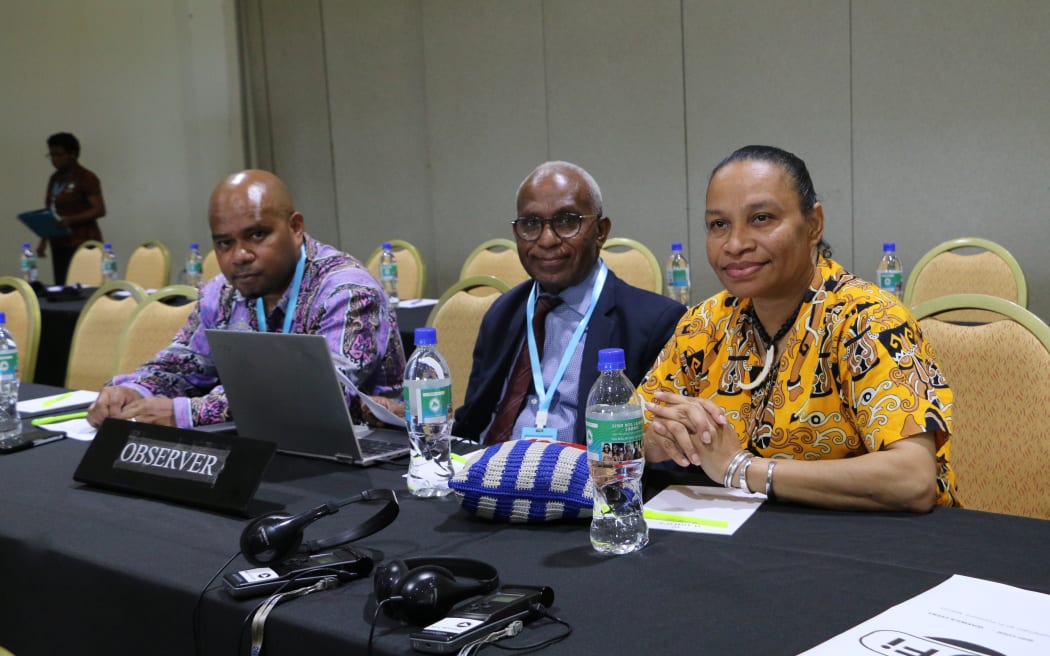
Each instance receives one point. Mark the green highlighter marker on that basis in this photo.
(58, 399)
(43, 421)
(670, 517)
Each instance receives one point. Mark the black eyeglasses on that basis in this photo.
(565, 224)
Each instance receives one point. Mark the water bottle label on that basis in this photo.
(194, 267)
(109, 266)
(388, 271)
(890, 281)
(8, 364)
(429, 405)
(614, 440)
(679, 278)
(28, 264)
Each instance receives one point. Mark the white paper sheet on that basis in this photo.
(961, 617)
(75, 429)
(700, 509)
(56, 402)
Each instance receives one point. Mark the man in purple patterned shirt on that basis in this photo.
(260, 241)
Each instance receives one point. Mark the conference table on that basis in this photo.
(92, 571)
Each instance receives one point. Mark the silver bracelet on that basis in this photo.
(769, 478)
(743, 474)
(734, 464)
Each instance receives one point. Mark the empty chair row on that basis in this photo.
(149, 265)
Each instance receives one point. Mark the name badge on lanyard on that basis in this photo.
(293, 298)
(544, 394)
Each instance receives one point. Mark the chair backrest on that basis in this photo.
(86, 266)
(999, 373)
(93, 351)
(149, 265)
(634, 263)
(495, 257)
(210, 267)
(18, 301)
(411, 270)
(941, 272)
(153, 325)
(457, 318)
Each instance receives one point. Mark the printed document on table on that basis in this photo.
(961, 617)
(700, 509)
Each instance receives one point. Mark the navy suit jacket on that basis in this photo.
(638, 321)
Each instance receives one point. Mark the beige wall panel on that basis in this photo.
(614, 79)
(379, 137)
(297, 105)
(152, 92)
(952, 129)
(775, 73)
(486, 120)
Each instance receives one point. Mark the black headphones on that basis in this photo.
(423, 590)
(272, 538)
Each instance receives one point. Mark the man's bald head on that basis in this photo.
(252, 191)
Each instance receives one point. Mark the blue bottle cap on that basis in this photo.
(108, 246)
(25, 246)
(426, 336)
(676, 246)
(610, 359)
(3, 318)
(889, 246)
(386, 245)
(194, 246)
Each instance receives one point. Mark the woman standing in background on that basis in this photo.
(74, 194)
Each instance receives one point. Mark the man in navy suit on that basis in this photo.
(559, 231)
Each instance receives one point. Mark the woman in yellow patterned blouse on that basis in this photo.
(842, 406)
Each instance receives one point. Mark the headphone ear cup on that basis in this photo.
(386, 581)
(429, 592)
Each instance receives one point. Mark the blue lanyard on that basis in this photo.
(293, 299)
(544, 395)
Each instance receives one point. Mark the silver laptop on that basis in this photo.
(284, 388)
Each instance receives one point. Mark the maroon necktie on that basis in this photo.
(521, 376)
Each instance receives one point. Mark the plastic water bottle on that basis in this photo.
(616, 459)
(388, 273)
(10, 423)
(109, 264)
(194, 266)
(890, 272)
(28, 263)
(678, 275)
(428, 413)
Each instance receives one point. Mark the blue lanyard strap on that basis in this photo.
(544, 395)
(293, 298)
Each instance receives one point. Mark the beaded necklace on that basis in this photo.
(770, 343)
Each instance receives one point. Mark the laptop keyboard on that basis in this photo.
(374, 447)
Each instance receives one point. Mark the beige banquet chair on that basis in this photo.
(943, 271)
(495, 257)
(411, 270)
(18, 301)
(210, 268)
(96, 338)
(86, 266)
(634, 263)
(149, 265)
(153, 325)
(999, 373)
(457, 318)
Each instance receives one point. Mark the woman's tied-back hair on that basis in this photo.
(793, 165)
